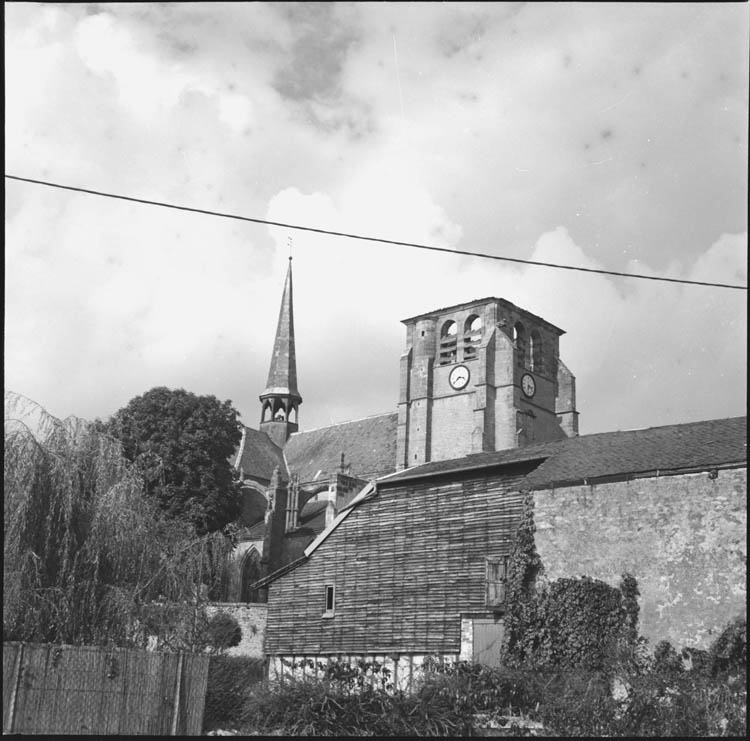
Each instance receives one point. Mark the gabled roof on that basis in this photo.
(257, 455)
(368, 445)
(669, 449)
(665, 449)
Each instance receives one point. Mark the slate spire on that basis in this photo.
(281, 396)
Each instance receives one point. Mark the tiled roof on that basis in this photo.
(258, 455)
(368, 445)
(670, 448)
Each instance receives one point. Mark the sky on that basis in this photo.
(611, 136)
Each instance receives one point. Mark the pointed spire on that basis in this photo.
(282, 375)
(281, 396)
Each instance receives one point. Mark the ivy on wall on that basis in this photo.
(568, 623)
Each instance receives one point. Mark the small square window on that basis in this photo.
(330, 600)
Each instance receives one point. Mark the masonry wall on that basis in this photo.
(405, 565)
(683, 537)
(452, 426)
(252, 620)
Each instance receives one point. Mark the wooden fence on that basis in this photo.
(52, 689)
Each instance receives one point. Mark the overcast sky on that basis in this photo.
(602, 135)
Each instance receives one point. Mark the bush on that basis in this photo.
(223, 632)
(317, 708)
(570, 703)
(728, 653)
(577, 703)
(681, 704)
(230, 679)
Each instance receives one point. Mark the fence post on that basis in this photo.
(14, 693)
(177, 695)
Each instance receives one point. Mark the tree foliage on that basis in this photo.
(84, 550)
(182, 444)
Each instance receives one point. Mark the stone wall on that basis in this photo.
(252, 620)
(683, 538)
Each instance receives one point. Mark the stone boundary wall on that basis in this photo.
(683, 537)
(251, 617)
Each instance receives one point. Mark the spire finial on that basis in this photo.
(289, 244)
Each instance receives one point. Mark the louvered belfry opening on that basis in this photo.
(448, 343)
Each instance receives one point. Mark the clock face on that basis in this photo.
(459, 377)
(528, 385)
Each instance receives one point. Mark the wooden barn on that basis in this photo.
(415, 565)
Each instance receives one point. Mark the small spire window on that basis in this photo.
(448, 343)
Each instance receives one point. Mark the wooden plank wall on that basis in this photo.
(85, 690)
(404, 564)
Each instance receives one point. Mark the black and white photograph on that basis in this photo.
(375, 368)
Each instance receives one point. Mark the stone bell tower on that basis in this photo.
(481, 376)
(280, 400)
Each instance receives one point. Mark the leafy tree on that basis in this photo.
(85, 551)
(182, 443)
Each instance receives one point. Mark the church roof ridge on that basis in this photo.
(346, 422)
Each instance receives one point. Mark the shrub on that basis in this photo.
(510, 691)
(223, 632)
(681, 704)
(728, 653)
(317, 708)
(568, 703)
(230, 679)
(577, 703)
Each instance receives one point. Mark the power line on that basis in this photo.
(376, 239)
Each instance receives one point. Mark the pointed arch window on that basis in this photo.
(472, 336)
(448, 343)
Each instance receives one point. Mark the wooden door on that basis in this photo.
(488, 640)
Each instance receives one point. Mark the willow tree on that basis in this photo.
(86, 553)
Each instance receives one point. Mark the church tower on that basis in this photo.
(281, 399)
(481, 376)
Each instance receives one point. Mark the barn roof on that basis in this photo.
(671, 448)
(667, 449)
(368, 445)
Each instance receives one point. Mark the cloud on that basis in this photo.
(626, 356)
(470, 126)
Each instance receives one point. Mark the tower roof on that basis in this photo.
(282, 375)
